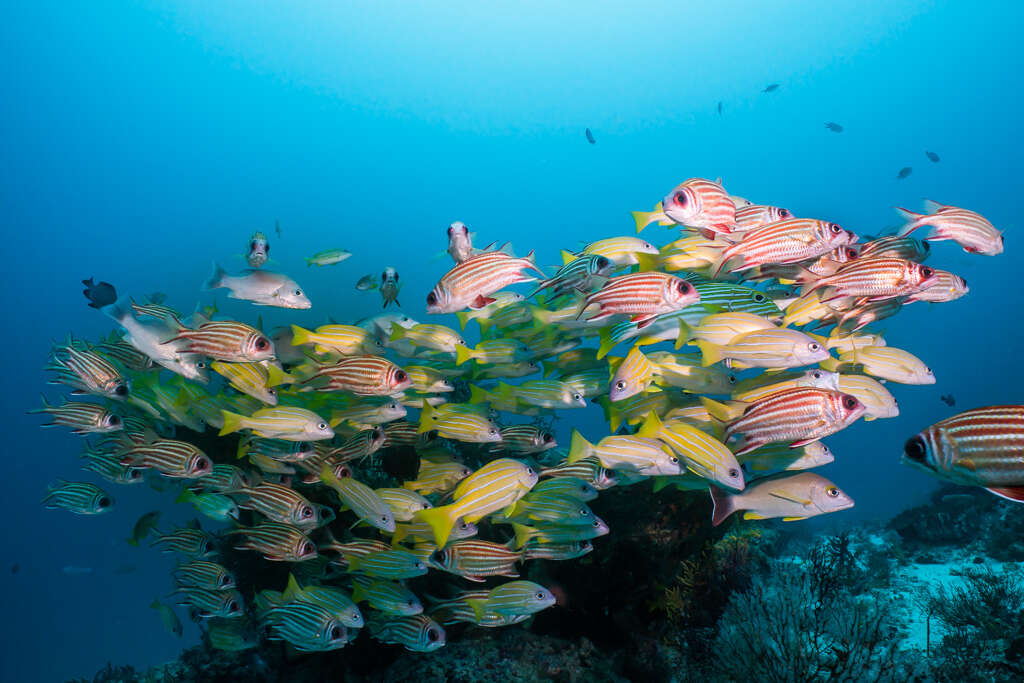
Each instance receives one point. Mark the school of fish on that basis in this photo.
(721, 359)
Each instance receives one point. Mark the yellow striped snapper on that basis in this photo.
(791, 497)
(509, 370)
(494, 351)
(457, 610)
(483, 315)
(777, 457)
(231, 635)
(703, 454)
(404, 503)
(548, 508)
(687, 373)
(535, 550)
(359, 498)
(514, 598)
(644, 456)
(282, 422)
(769, 348)
(421, 532)
(252, 379)
(328, 257)
(429, 336)
(632, 375)
(495, 486)
(572, 487)
(559, 534)
(877, 400)
(347, 340)
(720, 329)
(458, 422)
(417, 633)
(336, 601)
(389, 564)
(540, 393)
(80, 498)
(362, 416)
(844, 343)
(622, 251)
(885, 362)
(589, 383)
(435, 477)
(428, 380)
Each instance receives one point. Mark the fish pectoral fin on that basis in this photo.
(793, 499)
(792, 519)
(753, 515)
(968, 464)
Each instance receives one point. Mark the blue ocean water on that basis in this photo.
(142, 141)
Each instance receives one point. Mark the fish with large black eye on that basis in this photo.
(389, 287)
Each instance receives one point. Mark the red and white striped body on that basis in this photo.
(757, 215)
(970, 230)
(642, 296)
(700, 203)
(361, 375)
(227, 341)
(789, 241)
(177, 459)
(795, 416)
(877, 279)
(470, 283)
(981, 447)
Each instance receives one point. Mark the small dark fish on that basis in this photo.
(590, 137)
(157, 298)
(904, 172)
(772, 87)
(948, 399)
(277, 229)
(99, 295)
(719, 108)
(15, 568)
(933, 157)
(834, 127)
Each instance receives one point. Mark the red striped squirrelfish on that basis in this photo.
(981, 447)
(470, 283)
(877, 279)
(700, 203)
(788, 241)
(970, 230)
(228, 341)
(361, 375)
(644, 296)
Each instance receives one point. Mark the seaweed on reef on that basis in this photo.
(802, 622)
(983, 624)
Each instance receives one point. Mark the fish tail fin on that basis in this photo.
(579, 447)
(605, 335)
(645, 262)
(358, 594)
(426, 418)
(485, 325)
(567, 257)
(463, 317)
(478, 395)
(243, 449)
(397, 332)
(462, 354)
(831, 364)
(215, 279)
(276, 376)
(118, 312)
(292, 591)
(232, 422)
(184, 496)
(300, 335)
(722, 505)
(710, 353)
(479, 606)
(651, 427)
(684, 336)
(132, 541)
(718, 410)
(440, 522)
(913, 219)
(645, 218)
(523, 534)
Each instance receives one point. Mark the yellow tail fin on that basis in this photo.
(523, 534)
(478, 395)
(567, 257)
(300, 335)
(645, 262)
(463, 317)
(440, 522)
(579, 448)
(605, 334)
(232, 423)
(462, 354)
(642, 219)
(720, 411)
(276, 376)
(426, 418)
(710, 353)
(651, 427)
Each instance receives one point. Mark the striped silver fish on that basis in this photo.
(360, 375)
(178, 459)
(227, 341)
(83, 418)
(475, 560)
(359, 497)
(307, 627)
(390, 597)
(191, 542)
(88, 372)
(214, 603)
(389, 564)
(514, 598)
(970, 230)
(788, 241)
(579, 275)
(418, 633)
(80, 498)
(278, 542)
(644, 296)
(588, 469)
(358, 446)
(280, 504)
(470, 283)
(108, 466)
(205, 575)
(336, 601)
(535, 550)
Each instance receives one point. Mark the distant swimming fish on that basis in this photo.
(366, 283)
(99, 295)
(833, 126)
(590, 137)
(259, 250)
(933, 157)
(719, 108)
(948, 399)
(328, 258)
(771, 87)
(904, 172)
(389, 287)
(277, 228)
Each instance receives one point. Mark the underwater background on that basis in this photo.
(142, 141)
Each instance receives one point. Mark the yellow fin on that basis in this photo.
(523, 534)
(300, 335)
(753, 515)
(479, 606)
(793, 499)
(232, 422)
(567, 257)
(462, 354)
(463, 317)
(605, 335)
(426, 418)
(440, 522)
(579, 448)
(651, 427)
(792, 519)
(710, 353)
(647, 262)
(719, 411)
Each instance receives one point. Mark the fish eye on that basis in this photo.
(135, 474)
(114, 420)
(252, 245)
(732, 379)
(540, 596)
(433, 635)
(121, 390)
(816, 374)
(322, 426)
(733, 473)
(683, 287)
(680, 198)
(834, 228)
(926, 271)
(759, 298)
(963, 280)
(307, 548)
(492, 431)
(384, 275)
(200, 365)
(272, 391)
(401, 376)
(384, 518)
(577, 397)
(620, 385)
(464, 526)
(225, 580)
(547, 437)
(306, 511)
(602, 262)
(849, 402)
(297, 292)
(832, 491)
(103, 502)
(262, 343)
(814, 346)
(431, 299)
(915, 449)
(449, 232)
(232, 606)
(336, 633)
(784, 213)
(674, 460)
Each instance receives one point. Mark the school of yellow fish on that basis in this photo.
(720, 359)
